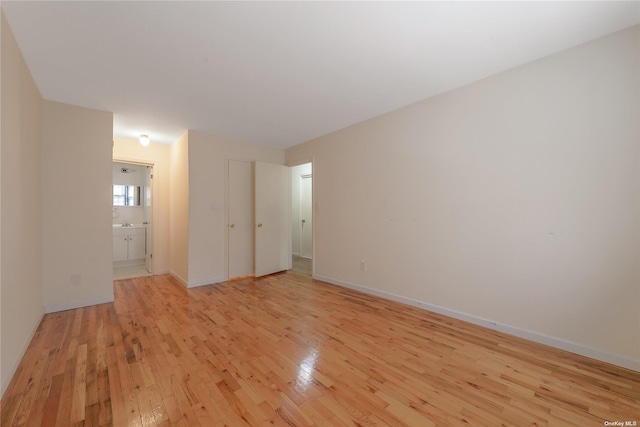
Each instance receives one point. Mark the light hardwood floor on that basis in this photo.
(301, 265)
(288, 350)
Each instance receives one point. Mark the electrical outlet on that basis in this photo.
(363, 266)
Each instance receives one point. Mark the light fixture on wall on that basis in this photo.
(144, 140)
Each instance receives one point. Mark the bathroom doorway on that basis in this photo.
(132, 220)
(302, 218)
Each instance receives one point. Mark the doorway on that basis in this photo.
(302, 218)
(132, 220)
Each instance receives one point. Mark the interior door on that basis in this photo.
(148, 191)
(240, 215)
(272, 216)
(306, 218)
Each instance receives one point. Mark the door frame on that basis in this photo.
(301, 178)
(299, 162)
(149, 241)
(155, 213)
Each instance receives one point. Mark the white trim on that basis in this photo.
(161, 272)
(302, 177)
(178, 278)
(197, 283)
(8, 376)
(72, 305)
(573, 347)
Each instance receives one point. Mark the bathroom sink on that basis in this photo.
(127, 225)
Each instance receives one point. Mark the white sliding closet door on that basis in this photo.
(241, 223)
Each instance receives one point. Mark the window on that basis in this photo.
(126, 195)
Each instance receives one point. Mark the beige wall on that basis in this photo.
(21, 305)
(514, 199)
(208, 162)
(179, 208)
(158, 155)
(76, 206)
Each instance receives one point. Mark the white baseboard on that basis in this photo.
(583, 350)
(8, 376)
(178, 278)
(73, 305)
(196, 283)
(160, 272)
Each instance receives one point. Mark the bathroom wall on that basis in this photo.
(135, 175)
(128, 214)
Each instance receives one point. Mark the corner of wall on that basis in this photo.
(77, 255)
(21, 289)
(7, 375)
(179, 207)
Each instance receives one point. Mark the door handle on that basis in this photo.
(232, 226)
(259, 224)
(303, 221)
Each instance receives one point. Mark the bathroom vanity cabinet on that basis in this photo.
(128, 243)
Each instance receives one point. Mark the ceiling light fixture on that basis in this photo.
(144, 140)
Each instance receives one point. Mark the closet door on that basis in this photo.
(272, 218)
(240, 215)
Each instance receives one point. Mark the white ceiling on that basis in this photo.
(281, 73)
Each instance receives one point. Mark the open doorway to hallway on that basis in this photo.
(302, 218)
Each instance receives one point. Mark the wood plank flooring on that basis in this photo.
(301, 265)
(286, 350)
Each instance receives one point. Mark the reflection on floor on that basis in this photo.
(292, 351)
(130, 272)
(301, 265)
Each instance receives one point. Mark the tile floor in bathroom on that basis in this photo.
(130, 272)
